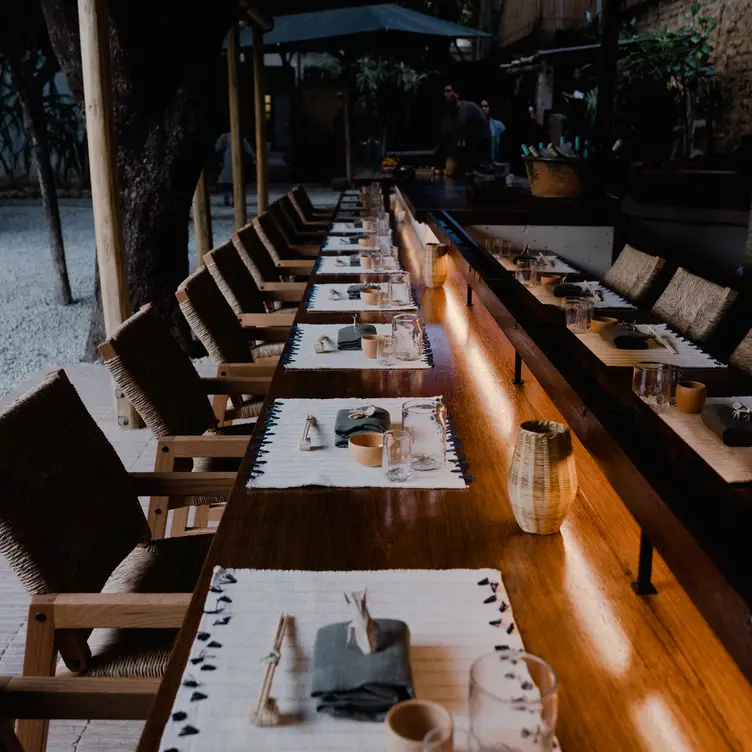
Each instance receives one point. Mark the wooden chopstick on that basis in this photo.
(266, 687)
(661, 341)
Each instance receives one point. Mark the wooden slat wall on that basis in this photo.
(520, 18)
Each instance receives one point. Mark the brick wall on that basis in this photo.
(733, 55)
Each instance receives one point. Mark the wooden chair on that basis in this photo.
(300, 196)
(741, 358)
(288, 229)
(70, 698)
(693, 306)
(279, 245)
(159, 380)
(299, 220)
(221, 332)
(240, 288)
(633, 273)
(263, 266)
(72, 529)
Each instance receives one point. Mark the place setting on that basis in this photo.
(368, 260)
(506, 253)
(393, 295)
(378, 661)
(357, 443)
(402, 344)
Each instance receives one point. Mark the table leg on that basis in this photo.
(517, 369)
(644, 586)
(469, 295)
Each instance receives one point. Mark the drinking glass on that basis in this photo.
(397, 456)
(407, 330)
(377, 260)
(528, 272)
(513, 703)
(385, 350)
(384, 299)
(578, 313)
(655, 384)
(439, 740)
(399, 289)
(426, 421)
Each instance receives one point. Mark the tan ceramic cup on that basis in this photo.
(370, 297)
(365, 242)
(366, 261)
(690, 396)
(369, 224)
(598, 322)
(369, 343)
(407, 724)
(367, 448)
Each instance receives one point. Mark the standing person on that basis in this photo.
(465, 136)
(224, 181)
(496, 128)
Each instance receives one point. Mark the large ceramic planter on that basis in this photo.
(558, 177)
(435, 265)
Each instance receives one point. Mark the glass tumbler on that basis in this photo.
(399, 289)
(426, 420)
(655, 384)
(377, 260)
(513, 703)
(579, 314)
(407, 330)
(385, 350)
(528, 272)
(396, 460)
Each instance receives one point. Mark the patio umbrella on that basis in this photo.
(350, 30)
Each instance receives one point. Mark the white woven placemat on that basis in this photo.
(329, 265)
(339, 244)
(454, 616)
(280, 464)
(319, 301)
(733, 464)
(610, 298)
(302, 356)
(348, 228)
(690, 355)
(558, 267)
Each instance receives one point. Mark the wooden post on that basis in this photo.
(202, 218)
(348, 126)
(604, 116)
(259, 108)
(236, 131)
(100, 129)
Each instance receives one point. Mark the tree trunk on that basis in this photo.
(162, 98)
(97, 333)
(34, 115)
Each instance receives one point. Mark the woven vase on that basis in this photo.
(542, 477)
(435, 265)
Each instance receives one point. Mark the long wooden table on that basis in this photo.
(570, 592)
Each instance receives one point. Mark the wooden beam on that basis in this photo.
(604, 116)
(100, 129)
(236, 130)
(259, 109)
(120, 610)
(202, 218)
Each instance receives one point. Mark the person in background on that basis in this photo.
(496, 128)
(465, 136)
(224, 146)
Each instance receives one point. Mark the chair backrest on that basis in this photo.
(272, 238)
(741, 358)
(693, 306)
(234, 280)
(297, 208)
(284, 225)
(69, 513)
(212, 320)
(294, 220)
(157, 376)
(633, 272)
(254, 254)
(303, 200)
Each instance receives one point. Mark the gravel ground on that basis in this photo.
(37, 333)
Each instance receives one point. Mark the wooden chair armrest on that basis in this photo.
(210, 445)
(232, 385)
(306, 249)
(268, 333)
(299, 266)
(283, 287)
(286, 293)
(267, 319)
(114, 610)
(246, 370)
(183, 484)
(70, 697)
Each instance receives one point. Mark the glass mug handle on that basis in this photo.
(446, 740)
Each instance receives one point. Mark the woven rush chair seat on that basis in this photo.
(303, 200)
(297, 216)
(633, 273)
(693, 305)
(741, 358)
(278, 244)
(288, 230)
(255, 256)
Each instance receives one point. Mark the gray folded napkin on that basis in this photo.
(353, 291)
(624, 337)
(569, 289)
(345, 426)
(348, 338)
(732, 432)
(348, 684)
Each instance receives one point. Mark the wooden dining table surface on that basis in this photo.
(634, 673)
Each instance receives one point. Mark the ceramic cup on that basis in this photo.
(598, 322)
(407, 724)
(370, 296)
(367, 448)
(366, 261)
(690, 396)
(369, 344)
(365, 242)
(369, 224)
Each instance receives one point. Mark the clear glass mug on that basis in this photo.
(655, 384)
(407, 331)
(513, 703)
(397, 457)
(385, 350)
(578, 312)
(426, 421)
(399, 289)
(528, 272)
(377, 259)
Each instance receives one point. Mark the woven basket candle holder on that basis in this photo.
(435, 265)
(542, 476)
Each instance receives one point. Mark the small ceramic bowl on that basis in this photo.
(408, 722)
(370, 296)
(599, 322)
(367, 448)
(690, 396)
(369, 343)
